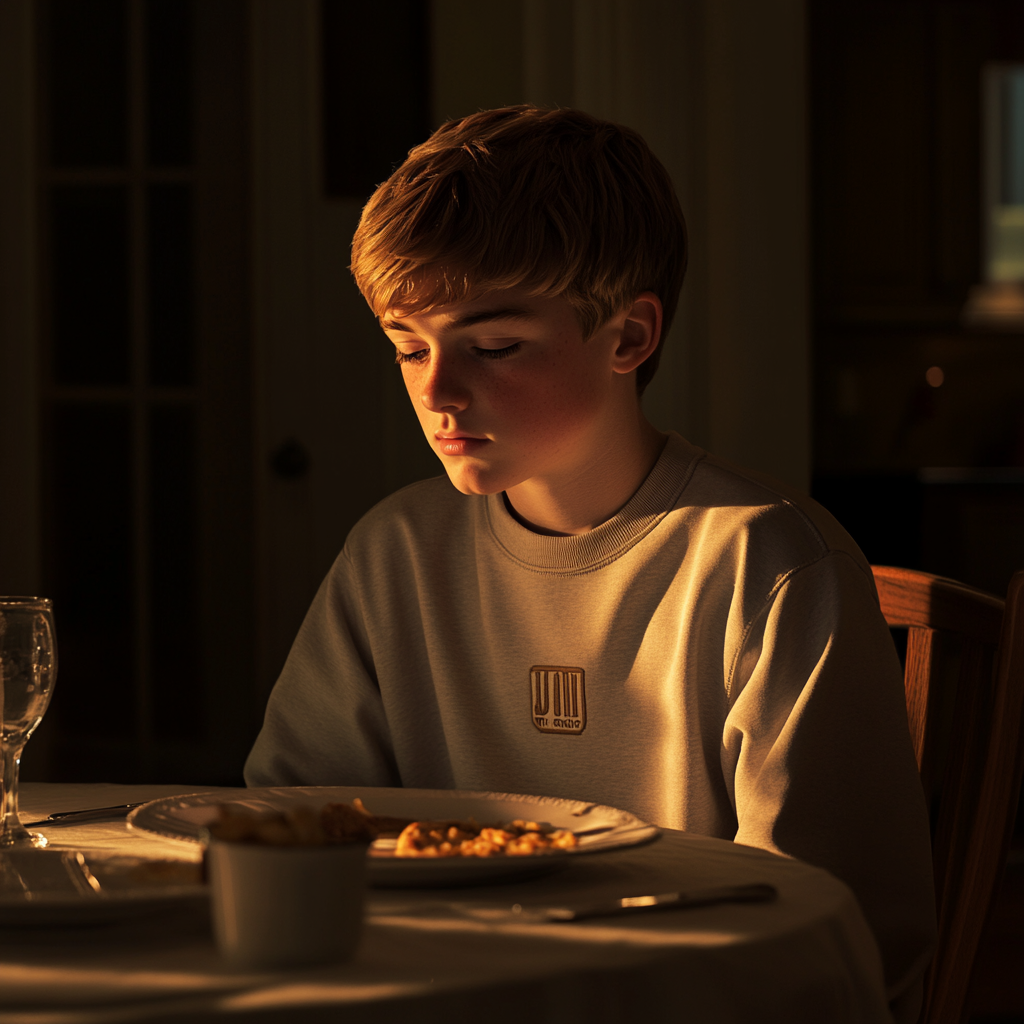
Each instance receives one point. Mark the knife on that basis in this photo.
(756, 893)
(92, 814)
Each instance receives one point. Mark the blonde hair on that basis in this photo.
(557, 201)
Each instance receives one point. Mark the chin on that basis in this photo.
(476, 481)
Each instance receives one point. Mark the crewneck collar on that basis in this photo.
(586, 552)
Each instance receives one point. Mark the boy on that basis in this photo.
(584, 606)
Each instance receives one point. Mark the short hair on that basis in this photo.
(555, 200)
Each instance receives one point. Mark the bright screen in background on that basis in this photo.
(1004, 171)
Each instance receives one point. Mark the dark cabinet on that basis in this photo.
(902, 388)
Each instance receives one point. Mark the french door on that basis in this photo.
(146, 420)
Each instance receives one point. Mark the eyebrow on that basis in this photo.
(471, 319)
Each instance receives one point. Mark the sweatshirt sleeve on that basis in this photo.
(325, 723)
(817, 748)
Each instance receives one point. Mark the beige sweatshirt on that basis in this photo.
(712, 658)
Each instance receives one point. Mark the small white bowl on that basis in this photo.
(286, 906)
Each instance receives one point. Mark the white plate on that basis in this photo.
(47, 887)
(601, 829)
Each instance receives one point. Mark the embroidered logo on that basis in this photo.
(558, 699)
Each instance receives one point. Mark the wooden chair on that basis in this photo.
(964, 680)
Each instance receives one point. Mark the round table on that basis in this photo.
(808, 956)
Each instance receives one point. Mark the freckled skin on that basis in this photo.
(523, 404)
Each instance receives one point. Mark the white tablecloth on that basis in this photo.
(807, 957)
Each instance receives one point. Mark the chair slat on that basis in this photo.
(921, 645)
(941, 604)
(960, 894)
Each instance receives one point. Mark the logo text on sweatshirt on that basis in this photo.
(558, 699)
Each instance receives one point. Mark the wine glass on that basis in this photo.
(28, 667)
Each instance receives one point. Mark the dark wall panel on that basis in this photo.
(376, 89)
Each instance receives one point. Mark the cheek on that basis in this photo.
(561, 394)
(413, 386)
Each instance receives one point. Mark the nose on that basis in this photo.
(444, 389)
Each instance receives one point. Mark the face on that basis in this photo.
(505, 387)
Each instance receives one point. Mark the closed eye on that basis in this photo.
(421, 354)
(411, 357)
(500, 353)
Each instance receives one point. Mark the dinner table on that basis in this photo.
(458, 953)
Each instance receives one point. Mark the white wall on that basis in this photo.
(756, 241)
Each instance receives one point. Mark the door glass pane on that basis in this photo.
(171, 311)
(91, 513)
(88, 82)
(1005, 171)
(89, 239)
(168, 82)
(174, 642)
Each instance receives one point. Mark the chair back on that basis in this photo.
(964, 681)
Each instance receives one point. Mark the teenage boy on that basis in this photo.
(584, 606)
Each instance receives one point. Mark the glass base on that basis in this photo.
(21, 839)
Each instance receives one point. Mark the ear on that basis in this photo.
(641, 332)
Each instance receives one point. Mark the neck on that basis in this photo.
(610, 472)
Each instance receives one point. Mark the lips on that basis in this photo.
(459, 444)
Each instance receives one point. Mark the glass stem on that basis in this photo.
(9, 819)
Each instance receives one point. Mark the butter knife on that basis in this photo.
(757, 893)
(91, 814)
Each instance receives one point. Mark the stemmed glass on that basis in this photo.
(28, 667)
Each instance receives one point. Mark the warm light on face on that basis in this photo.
(504, 385)
(934, 376)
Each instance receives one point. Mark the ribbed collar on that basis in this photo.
(589, 551)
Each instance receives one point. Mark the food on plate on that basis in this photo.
(343, 819)
(468, 839)
(448, 838)
(354, 823)
(299, 826)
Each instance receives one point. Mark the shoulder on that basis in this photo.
(773, 527)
